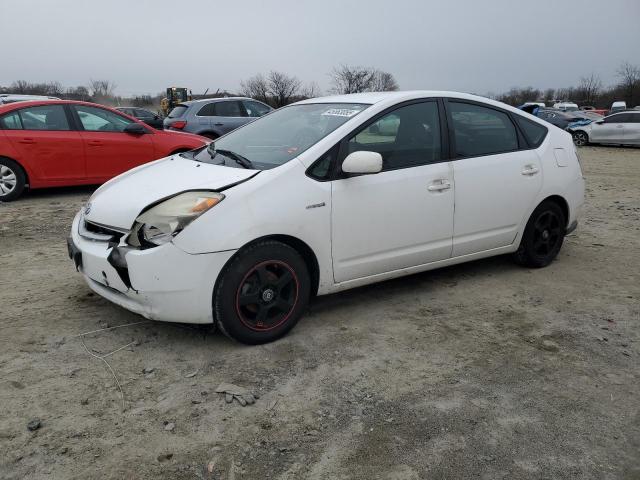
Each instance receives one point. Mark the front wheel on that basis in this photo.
(543, 236)
(580, 138)
(262, 293)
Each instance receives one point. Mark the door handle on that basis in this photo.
(219, 124)
(439, 186)
(27, 141)
(530, 170)
(95, 143)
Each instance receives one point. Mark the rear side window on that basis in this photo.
(44, 117)
(228, 109)
(178, 111)
(11, 121)
(207, 110)
(481, 130)
(534, 132)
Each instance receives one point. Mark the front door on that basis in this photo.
(402, 216)
(496, 180)
(229, 115)
(109, 150)
(611, 130)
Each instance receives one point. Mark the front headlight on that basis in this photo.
(162, 222)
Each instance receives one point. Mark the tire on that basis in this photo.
(12, 180)
(543, 236)
(580, 138)
(262, 293)
(210, 135)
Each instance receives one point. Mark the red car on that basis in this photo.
(54, 143)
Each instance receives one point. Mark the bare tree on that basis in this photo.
(518, 96)
(383, 82)
(101, 88)
(282, 88)
(629, 81)
(311, 90)
(349, 79)
(255, 87)
(589, 89)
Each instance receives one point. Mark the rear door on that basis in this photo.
(229, 115)
(109, 150)
(46, 143)
(497, 176)
(611, 130)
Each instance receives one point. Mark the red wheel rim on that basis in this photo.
(267, 295)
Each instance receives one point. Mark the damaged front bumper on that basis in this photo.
(162, 283)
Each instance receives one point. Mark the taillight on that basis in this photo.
(179, 124)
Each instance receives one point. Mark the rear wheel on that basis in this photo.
(580, 138)
(543, 236)
(262, 293)
(210, 135)
(12, 180)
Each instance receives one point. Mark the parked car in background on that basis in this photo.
(58, 143)
(617, 107)
(325, 195)
(621, 128)
(10, 98)
(557, 117)
(147, 116)
(213, 117)
(566, 106)
(539, 104)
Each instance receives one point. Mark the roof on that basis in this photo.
(213, 99)
(392, 97)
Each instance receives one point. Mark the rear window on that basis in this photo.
(534, 132)
(178, 111)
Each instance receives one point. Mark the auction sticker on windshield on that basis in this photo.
(341, 112)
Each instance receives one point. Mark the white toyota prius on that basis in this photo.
(324, 195)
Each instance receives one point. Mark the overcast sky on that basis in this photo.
(475, 46)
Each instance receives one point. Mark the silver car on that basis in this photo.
(213, 117)
(621, 128)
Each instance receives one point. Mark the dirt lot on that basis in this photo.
(484, 370)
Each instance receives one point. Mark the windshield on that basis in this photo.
(280, 136)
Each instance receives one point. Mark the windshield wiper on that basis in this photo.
(239, 159)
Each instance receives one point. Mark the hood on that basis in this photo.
(118, 202)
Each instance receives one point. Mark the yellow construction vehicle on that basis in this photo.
(174, 96)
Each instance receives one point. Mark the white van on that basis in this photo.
(566, 106)
(617, 107)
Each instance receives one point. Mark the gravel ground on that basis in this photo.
(484, 370)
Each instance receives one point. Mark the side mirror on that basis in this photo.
(362, 162)
(135, 129)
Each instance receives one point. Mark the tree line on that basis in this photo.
(278, 89)
(589, 91)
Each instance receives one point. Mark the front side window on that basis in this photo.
(228, 109)
(274, 139)
(255, 109)
(481, 130)
(407, 137)
(95, 119)
(43, 117)
(617, 118)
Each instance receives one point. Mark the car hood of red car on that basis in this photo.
(118, 202)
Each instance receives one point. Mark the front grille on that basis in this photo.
(94, 231)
